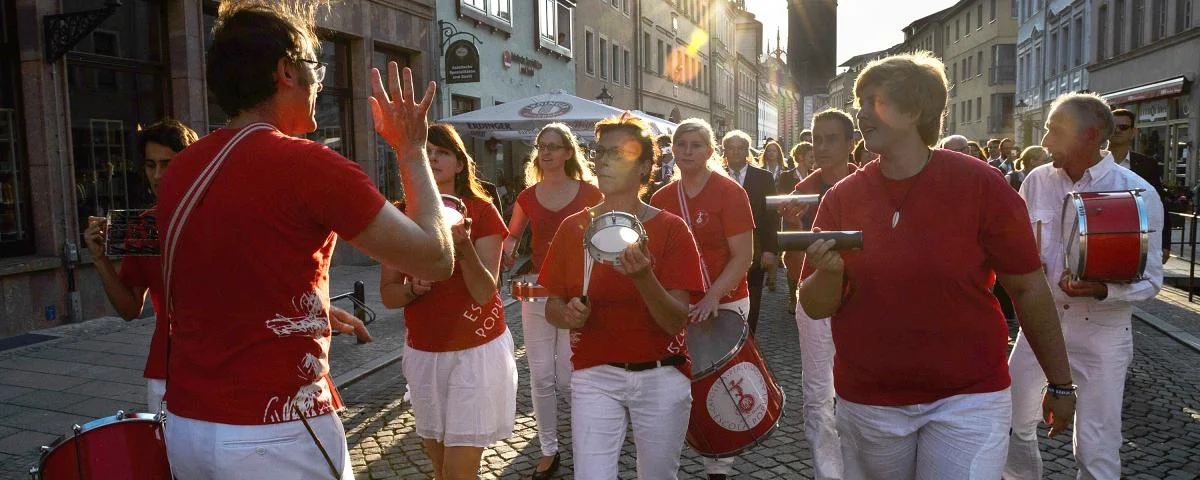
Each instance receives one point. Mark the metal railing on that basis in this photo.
(1187, 246)
(359, 299)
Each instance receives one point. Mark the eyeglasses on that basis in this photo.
(1123, 128)
(596, 154)
(550, 148)
(318, 70)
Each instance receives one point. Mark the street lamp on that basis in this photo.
(604, 97)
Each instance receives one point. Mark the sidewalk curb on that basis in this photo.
(349, 378)
(1168, 329)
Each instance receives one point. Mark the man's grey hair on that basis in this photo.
(737, 134)
(1089, 110)
(955, 142)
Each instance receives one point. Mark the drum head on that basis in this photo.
(614, 239)
(713, 342)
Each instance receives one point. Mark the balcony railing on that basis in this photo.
(999, 123)
(1002, 75)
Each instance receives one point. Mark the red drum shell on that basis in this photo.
(526, 289)
(110, 448)
(738, 404)
(1109, 236)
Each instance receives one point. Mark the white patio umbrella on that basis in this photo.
(521, 119)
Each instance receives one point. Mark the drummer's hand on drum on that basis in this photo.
(821, 256)
(461, 234)
(344, 322)
(1082, 288)
(635, 261)
(94, 236)
(421, 287)
(792, 211)
(705, 309)
(575, 313)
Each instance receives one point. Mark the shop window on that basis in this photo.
(16, 235)
(117, 80)
(333, 111)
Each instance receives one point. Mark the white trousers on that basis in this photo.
(724, 466)
(605, 399)
(1100, 355)
(201, 450)
(964, 437)
(155, 389)
(820, 425)
(548, 350)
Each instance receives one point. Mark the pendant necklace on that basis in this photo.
(911, 187)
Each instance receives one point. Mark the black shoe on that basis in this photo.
(548, 473)
(716, 476)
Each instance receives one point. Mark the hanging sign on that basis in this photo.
(462, 62)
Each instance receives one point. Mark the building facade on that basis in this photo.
(748, 48)
(607, 62)
(678, 86)
(979, 50)
(722, 64)
(1052, 59)
(68, 126)
(1145, 60)
(526, 48)
(778, 94)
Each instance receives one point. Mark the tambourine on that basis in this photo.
(453, 209)
(610, 233)
(131, 233)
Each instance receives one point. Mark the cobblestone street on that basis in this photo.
(1162, 417)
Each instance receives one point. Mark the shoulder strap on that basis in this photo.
(687, 217)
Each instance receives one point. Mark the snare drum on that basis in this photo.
(610, 233)
(736, 402)
(1106, 235)
(121, 446)
(526, 289)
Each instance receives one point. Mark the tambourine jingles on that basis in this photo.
(453, 209)
(610, 233)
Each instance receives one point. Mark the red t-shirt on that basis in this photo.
(814, 184)
(446, 318)
(545, 222)
(721, 210)
(918, 321)
(249, 316)
(146, 272)
(620, 327)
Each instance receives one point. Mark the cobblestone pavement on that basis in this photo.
(1162, 417)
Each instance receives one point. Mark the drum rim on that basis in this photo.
(757, 440)
(592, 229)
(741, 343)
(137, 417)
(1076, 200)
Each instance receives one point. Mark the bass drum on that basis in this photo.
(736, 403)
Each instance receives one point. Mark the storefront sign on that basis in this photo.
(462, 62)
(528, 65)
(1153, 111)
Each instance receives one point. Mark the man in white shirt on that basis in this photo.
(1095, 316)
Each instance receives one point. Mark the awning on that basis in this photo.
(522, 119)
(1162, 88)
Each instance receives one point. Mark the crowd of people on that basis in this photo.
(904, 343)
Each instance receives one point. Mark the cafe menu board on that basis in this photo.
(132, 233)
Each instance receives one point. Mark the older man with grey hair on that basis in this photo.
(957, 143)
(1095, 316)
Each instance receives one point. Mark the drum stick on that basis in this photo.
(311, 433)
(843, 240)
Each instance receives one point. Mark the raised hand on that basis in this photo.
(399, 118)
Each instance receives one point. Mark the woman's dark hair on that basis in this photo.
(466, 184)
(168, 132)
(248, 40)
(977, 150)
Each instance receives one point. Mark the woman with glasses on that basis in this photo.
(628, 338)
(717, 210)
(560, 185)
(458, 353)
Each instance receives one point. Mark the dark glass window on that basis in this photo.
(16, 233)
(117, 81)
(387, 175)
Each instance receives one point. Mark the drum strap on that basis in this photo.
(687, 216)
(179, 217)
